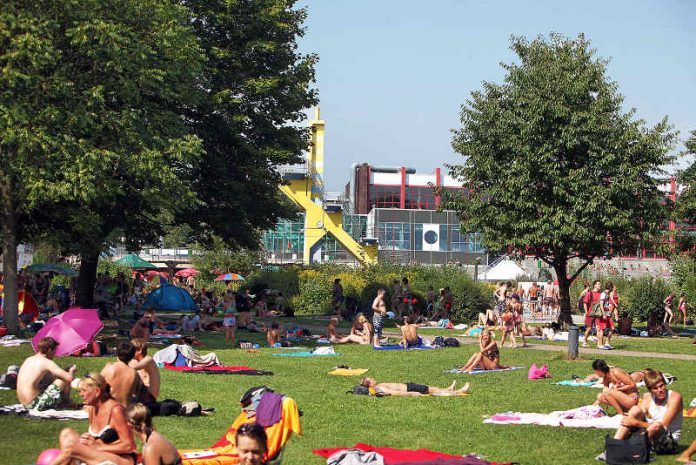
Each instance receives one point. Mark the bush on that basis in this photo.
(314, 287)
(643, 296)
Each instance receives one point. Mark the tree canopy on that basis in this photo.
(554, 167)
(685, 211)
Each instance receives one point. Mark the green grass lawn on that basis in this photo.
(334, 418)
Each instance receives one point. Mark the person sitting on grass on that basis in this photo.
(147, 370)
(360, 333)
(41, 383)
(488, 319)
(624, 393)
(157, 450)
(274, 335)
(332, 332)
(488, 356)
(410, 389)
(108, 439)
(409, 333)
(659, 413)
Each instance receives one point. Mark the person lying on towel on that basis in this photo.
(488, 356)
(410, 389)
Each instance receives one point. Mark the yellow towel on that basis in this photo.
(348, 371)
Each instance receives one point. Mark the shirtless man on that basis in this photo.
(409, 333)
(548, 302)
(411, 389)
(273, 335)
(123, 379)
(332, 332)
(41, 383)
(147, 370)
(379, 309)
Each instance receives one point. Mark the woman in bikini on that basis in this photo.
(681, 306)
(157, 450)
(669, 314)
(623, 395)
(488, 356)
(108, 438)
(360, 333)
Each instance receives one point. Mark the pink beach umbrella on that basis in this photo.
(73, 329)
(186, 272)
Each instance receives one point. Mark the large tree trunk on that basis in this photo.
(560, 266)
(88, 275)
(9, 262)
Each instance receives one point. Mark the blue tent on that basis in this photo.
(169, 298)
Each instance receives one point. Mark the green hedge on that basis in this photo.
(309, 289)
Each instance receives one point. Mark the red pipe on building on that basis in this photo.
(402, 201)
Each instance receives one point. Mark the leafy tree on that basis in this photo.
(554, 167)
(218, 258)
(685, 211)
(92, 133)
(253, 93)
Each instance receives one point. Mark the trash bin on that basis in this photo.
(573, 333)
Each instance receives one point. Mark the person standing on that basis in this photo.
(336, 292)
(681, 306)
(379, 309)
(592, 297)
(669, 314)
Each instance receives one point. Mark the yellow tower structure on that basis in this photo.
(307, 191)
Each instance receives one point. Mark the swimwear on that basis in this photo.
(420, 388)
(414, 343)
(377, 323)
(107, 435)
(49, 399)
(229, 321)
(493, 353)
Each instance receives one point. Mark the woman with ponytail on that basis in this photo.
(157, 450)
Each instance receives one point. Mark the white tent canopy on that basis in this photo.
(506, 270)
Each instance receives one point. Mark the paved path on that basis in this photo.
(548, 347)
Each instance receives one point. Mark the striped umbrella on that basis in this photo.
(230, 277)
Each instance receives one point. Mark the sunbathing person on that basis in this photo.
(488, 356)
(157, 450)
(360, 333)
(409, 333)
(410, 389)
(274, 335)
(331, 331)
(122, 379)
(487, 319)
(147, 370)
(624, 393)
(659, 413)
(41, 383)
(108, 439)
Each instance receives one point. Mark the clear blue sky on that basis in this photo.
(393, 74)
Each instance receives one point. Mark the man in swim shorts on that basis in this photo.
(410, 389)
(41, 383)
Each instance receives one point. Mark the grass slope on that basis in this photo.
(334, 418)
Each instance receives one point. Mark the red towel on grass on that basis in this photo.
(212, 368)
(397, 456)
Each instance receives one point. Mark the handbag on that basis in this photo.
(596, 310)
(635, 449)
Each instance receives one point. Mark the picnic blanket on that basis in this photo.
(12, 341)
(303, 354)
(404, 456)
(348, 371)
(220, 370)
(52, 414)
(476, 372)
(588, 416)
(182, 354)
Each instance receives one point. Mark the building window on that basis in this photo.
(465, 242)
(385, 196)
(420, 198)
(394, 236)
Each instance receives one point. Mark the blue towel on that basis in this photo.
(302, 354)
(570, 382)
